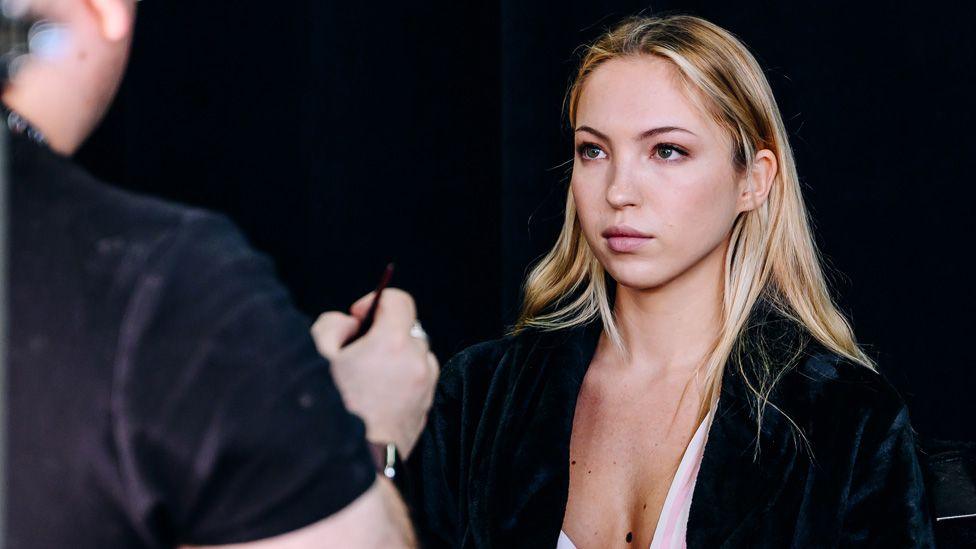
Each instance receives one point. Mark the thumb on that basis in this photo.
(331, 330)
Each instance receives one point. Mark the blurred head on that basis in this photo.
(66, 88)
(682, 160)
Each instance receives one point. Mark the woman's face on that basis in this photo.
(653, 180)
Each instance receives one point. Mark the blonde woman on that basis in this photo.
(680, 375)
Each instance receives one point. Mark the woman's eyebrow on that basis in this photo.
(663, 129)
(594, 132)
(643, 135)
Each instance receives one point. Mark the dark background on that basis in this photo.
(342, 135)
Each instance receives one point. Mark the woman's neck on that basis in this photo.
(671, 328)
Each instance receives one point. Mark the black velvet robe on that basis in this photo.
(492, 468)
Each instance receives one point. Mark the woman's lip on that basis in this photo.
(623, 244)
(624, 231)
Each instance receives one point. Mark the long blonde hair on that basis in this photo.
(771, 255)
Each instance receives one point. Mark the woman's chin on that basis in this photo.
(637, 277)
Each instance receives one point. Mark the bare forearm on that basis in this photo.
(397, 511)
(377, 519)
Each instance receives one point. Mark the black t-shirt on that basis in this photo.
(163, 389)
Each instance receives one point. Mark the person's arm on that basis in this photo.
(228, 422)
(377, 518)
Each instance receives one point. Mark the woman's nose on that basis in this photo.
(622, 190)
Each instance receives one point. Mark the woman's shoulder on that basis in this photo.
(484, 358)
(480, 355)
(474, 366)
(827, 384)
(813, 379)
(473, 369)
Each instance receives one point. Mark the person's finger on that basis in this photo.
(361, 306)
(396, 311)
(331, 330)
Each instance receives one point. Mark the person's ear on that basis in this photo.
(115, 17)
(755, 186)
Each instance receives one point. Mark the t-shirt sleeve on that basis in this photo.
(226, 420)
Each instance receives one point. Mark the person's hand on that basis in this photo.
(388, 376)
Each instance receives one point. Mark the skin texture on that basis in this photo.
(345, 528)
(387, 377)
(637, 411)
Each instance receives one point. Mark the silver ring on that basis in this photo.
(417, 331)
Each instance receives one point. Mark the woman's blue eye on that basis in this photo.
(591, 152)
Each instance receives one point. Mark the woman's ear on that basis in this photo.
(755, 186)
(115, 17)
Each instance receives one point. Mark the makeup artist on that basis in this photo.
(162, 388)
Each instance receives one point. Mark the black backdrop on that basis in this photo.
(342, 135)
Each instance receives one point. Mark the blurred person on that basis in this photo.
(680, 375)
(163, 390)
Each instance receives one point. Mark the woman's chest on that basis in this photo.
(624, 452)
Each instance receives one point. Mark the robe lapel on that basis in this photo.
(735, 487)
(523, 476)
